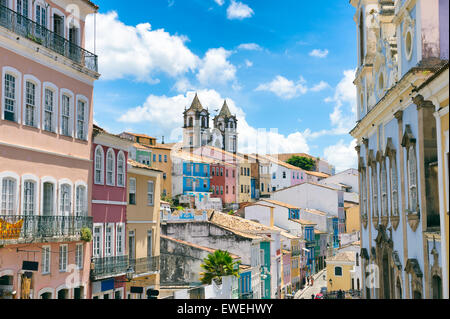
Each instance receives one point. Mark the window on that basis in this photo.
(338, 271)
(217, 171)
(284, 174)
(205, 183)
(65, 200)
(160, 158)
(120, 240)
(165, 158)
(131, 243)
(226, 173)
(274, 175)
(63, 258)
(221, 190)
(48, 199)
(49, 110)
(363, 191)
(79, 256)
(380, 84)
(205, 170)
(108, 240)
(212, 171)
(150, 193)
(10, 111)
(233, 173)
(384, 199)
(99, 156)
(132, 191)
(188, 182)
(408, 44)
(149, 243)
(8, 196)
(197, 168)
(41, 16)
(121, 169)
(394, 185)
(46, 253)
(110, 167)
(81, 201)
(242, 188)
(30, 104)
(262, 187)
(221, 171)
(154, 157)
(81, 120)
(97, 241)
(412, 179)
(164, 175)
(374, 190)
(65, 115)
(226, 189)
(29, 198)
(234, 190)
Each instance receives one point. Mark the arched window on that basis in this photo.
(357, 259)
(29, 197)
(110, 161)
(412, 179)
(9, 196)
(121, 169)
(81, 201)
(65, 201)
(99, 165)
(191, 120)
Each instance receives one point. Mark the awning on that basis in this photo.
(305, 249)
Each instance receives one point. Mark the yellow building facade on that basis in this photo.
(339, 269)
(352, 220)
(244, 181)
(162, 161)
(143, 228)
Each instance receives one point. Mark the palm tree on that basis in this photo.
(217, 265)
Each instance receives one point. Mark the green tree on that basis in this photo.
(303, 162)
(218, 265)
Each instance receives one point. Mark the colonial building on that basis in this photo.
(46, 93)
(402, 58)
(143, 229)
(109, 206)
(197, 132)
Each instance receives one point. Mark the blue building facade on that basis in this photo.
(196, 177)
(310, 246)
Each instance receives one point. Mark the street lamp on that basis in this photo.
(129, 274)
(331, 282)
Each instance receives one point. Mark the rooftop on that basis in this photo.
(135, 164)
(275, 202)
(303, 222)
(343, 256)
(239, 224)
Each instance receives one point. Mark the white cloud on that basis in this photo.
(344, 113)
(320, 86)
(319, 53)
(215, 68)
(239, 10)
(250, 47)
(248, 63)
(137, 51)
(220, 2)
(342, 156)
(283, 87)
(288, 89)
(165, 113)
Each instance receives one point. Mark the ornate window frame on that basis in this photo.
(384, 194)
(363, 182)
(374, 188)
(392, 176)
(408, 28)
(409, 143)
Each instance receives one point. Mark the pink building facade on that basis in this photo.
(298, 176)
(109, 204)
(223, 182)
(46, 106)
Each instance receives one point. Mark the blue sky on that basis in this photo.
(284, 64)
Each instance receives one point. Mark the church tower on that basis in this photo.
(226, 123)
(196, 125)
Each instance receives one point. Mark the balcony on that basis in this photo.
(246, 295)
(37, 228)
(31, 30)
(146, 265)
(109, 267)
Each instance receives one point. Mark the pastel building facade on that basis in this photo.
(46, 109)
(402, 59)
(109, 207)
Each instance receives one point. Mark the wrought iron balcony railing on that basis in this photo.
(109, 266)
(29, 29)
(35, 227)
(246, 295)
(145, 265)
